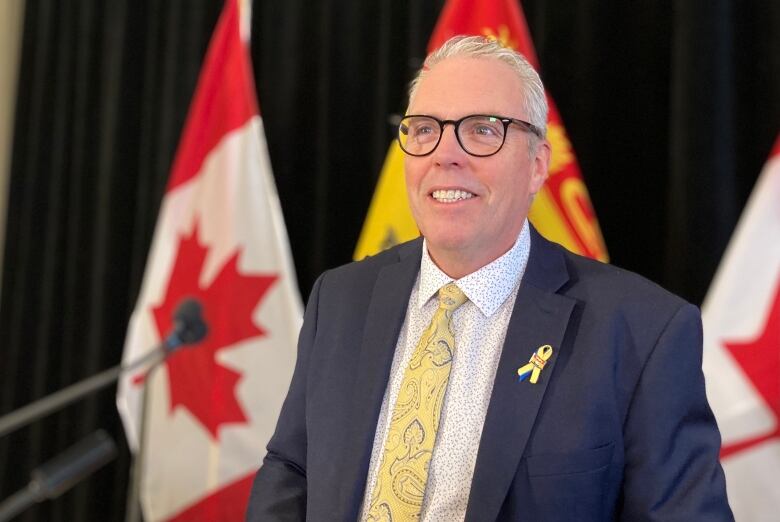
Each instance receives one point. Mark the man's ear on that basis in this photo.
(540, 165)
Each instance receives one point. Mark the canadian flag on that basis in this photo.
(220, 238)
(741, 316)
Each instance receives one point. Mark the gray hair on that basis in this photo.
(534, 100)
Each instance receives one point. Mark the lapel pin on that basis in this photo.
(536, 364)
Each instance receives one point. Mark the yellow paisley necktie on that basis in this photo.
(403, 473)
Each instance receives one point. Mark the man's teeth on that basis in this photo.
(450, 196)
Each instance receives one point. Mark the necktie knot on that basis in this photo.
(451, 297)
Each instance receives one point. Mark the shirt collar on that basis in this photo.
(489, 286)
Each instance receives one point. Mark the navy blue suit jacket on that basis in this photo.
(617, 427)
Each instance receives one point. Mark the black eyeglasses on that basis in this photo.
(478, 134)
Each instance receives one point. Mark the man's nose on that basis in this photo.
(449, 151)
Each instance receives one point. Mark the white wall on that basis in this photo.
(11, 25)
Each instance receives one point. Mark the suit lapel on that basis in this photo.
(540, 316)
(384, 318)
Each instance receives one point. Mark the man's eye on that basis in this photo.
(422, 130)
(484, 130)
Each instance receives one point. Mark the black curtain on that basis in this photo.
(672, 108)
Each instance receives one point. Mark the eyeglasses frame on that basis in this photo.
(505, 120)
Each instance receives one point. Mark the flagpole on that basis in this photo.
(133, 509)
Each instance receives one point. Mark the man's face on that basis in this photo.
(466, 234)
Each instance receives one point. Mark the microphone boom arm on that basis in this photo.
(188, 328)
(42, 407)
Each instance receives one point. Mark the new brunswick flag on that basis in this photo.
(562, 211)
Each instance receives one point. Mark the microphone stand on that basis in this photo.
(189, 328)
(40, 408)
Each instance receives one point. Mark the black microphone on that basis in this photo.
(61, 473)
(188, 325)
(58, 475)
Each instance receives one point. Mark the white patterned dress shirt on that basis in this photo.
(479, 328)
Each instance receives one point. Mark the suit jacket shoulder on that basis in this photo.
(357, 275)
(614, 295)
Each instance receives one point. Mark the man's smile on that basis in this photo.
(451, 195)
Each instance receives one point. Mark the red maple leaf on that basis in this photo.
(760, 360)
(197, 382)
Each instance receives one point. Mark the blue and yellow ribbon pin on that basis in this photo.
(536, 364)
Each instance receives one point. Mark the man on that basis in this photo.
(539, 386)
